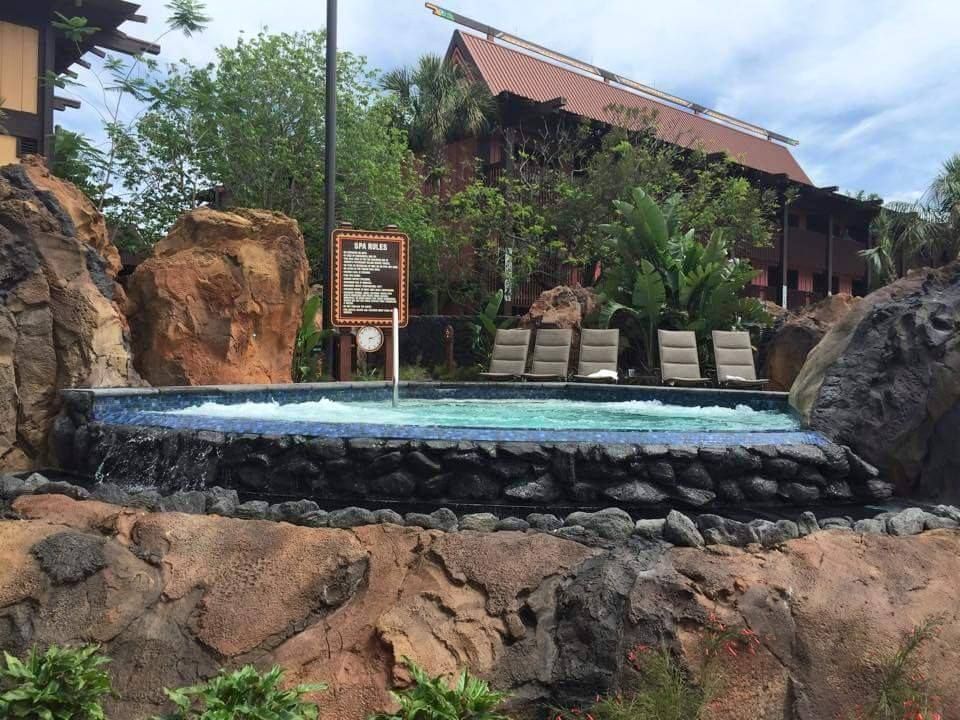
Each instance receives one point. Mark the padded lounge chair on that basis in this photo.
(509, 359)
(598, 351)
(734, 356)
(551, 356)
(679, 362)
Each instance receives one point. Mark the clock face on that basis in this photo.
(369, 339)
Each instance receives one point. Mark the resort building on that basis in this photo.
(820, 231)
(33, 51)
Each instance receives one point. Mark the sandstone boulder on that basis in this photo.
(172, 597)
(563, 307)
(796, 334)
(60, 325)
(220, 299)
(886, 381)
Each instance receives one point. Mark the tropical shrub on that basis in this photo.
(244, 694)
(62, 683)
(431, 698)
(307, 338)
(664, 277)
(484, 330)
(662, 688)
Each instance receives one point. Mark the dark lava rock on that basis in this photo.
(314, 519)
(513, 523)
(193, 502)
(798, 493)
(58, 487)
(327, 448)
(907, 522)
(445, 519)
(351, 517)
(935, 522)
(252, 510)
(609, 523)
(420, 464)
(222, 501)
(775, 533)
(618, 454)
(523, 451)
(780, 468)
(804, 454)
(877, 489)
(837, 490)
(807, 523)
(728, 489)
(718, 530)
(683, 452)
(473, 486)
(385, 464)
(69, 557)
(661, 472)
(112, 493)
(810, 476)
(434, 486)
(860, 469)
(693, 496)
(389, 517)
(10, 487)
(479, 522)
(695, 475)
(837, 464)
(420, 520)
(654, 451)
(680, 530)
(398, 484)
(584, 492)
(365, 449)
(870, 526)
(651, 529)
(636, 492)
(543, 521)
(947, 511)
(148, 499)
(542, 490)
(757, 487)
(292, 511)
(836, 523)
(885, 382)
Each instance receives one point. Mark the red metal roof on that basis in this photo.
(506, 70)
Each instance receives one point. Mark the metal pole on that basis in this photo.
(395, 330)
(330, 171)
(830, 255)
(784, 241)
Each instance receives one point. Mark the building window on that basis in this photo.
(793, 279)
(773, 276)
(793, 220)
(818, 223)
(820, 283)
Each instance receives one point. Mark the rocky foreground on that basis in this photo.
(175, 596)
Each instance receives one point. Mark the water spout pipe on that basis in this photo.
(395, 329)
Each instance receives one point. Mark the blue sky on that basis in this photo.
(869, 87)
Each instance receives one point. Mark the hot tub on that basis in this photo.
(514, 444)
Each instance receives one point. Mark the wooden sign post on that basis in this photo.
(370, 276)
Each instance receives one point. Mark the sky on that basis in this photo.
(870, 88)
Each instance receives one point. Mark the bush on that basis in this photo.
(243, 694)
(432, 699)
(61, 684)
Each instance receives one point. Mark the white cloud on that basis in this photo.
(869, 87)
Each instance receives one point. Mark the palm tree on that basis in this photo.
(925, 232)
(436, 102)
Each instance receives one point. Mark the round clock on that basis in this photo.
(369, 339)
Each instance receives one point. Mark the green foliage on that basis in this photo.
(60, 684)
(925, 232)
(77, 160)
(74, 29)
(903, 691)
(663, 276)
(187, 16)
(435, 102)
(484, 330)
(432, 699)
(307, 338)
(243, 694)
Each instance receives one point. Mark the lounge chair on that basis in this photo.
(734, 356)
(551, 356)
(679, 362)
(509, 359)
(598, 353)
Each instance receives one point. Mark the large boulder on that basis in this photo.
(886, 381)
(220, 299)
(796, 334)
(60, 325)
(563, 307)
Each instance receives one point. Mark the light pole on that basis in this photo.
(330, 171)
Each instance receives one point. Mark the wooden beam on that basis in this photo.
(98, 52)
(62, 103)
(137, 18)
(123, 43)
(83, 63)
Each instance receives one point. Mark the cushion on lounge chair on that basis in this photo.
(734, 356)
(551, 354)
(510, 348)
(598, 351)
(679, 362)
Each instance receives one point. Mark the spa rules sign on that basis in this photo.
(370, 272)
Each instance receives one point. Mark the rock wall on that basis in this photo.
(172, 597)
(220, 300)
(60, 325)
(886, 381)
(796, 334)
